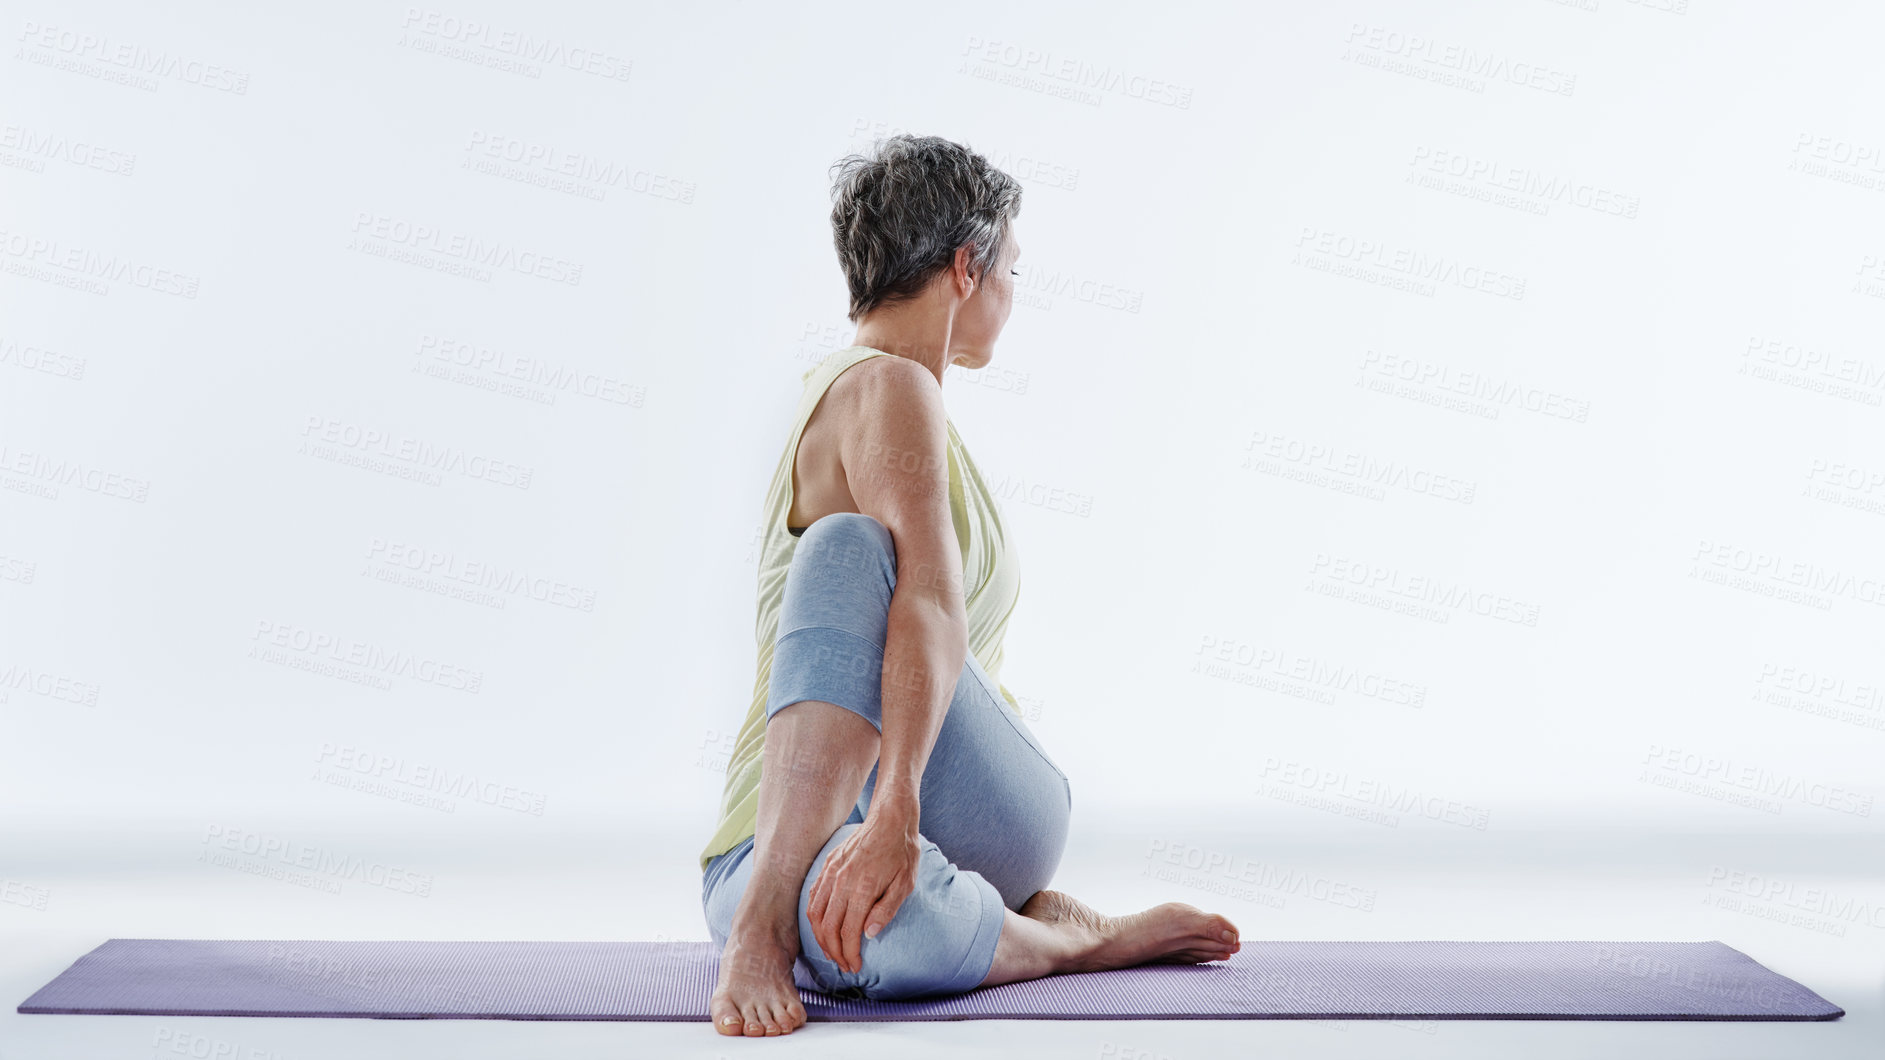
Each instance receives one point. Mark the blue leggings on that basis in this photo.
(994, 807)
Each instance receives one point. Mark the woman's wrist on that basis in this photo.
(895, 801)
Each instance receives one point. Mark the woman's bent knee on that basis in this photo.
(848, 538)
(847, 522)
(942, 940)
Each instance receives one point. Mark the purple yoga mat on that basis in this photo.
(672, 981)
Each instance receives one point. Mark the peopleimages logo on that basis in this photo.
(39, 146)
(1075, 73)
(441, 28)
(582, 168)
(325, 435)
(430, 241)
(1762, 788)
(1369, 791)
(287, 854)
(370, 658)
(82, 262)
(425, 776)
(78, 47)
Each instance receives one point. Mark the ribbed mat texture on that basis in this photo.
(672, 981)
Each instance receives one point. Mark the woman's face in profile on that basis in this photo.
(979, 322)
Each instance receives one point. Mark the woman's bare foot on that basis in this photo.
(756, 996)
(1173, 933)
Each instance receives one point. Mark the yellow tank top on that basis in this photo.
(990, 577)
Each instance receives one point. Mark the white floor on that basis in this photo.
(1806, 906)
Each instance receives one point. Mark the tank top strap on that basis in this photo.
(835, 362)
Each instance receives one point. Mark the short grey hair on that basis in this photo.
(899, 214)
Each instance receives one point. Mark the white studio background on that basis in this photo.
(1464, 412)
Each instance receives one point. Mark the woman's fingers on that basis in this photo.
(829, 927)
(819, 909)
(840, 931)
(826, 901)
(853, 934)
(886, 908)
(871, 915)
(815, 908)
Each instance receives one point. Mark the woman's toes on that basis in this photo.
(1217, 936)
(755, 1027)
(1201, 955)
(726, 1019)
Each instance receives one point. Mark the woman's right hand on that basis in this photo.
(864, 882)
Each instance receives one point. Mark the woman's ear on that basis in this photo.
(965, 260)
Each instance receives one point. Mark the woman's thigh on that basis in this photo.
(991, 797)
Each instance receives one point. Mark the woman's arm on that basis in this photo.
(894, 449)
(896, 463)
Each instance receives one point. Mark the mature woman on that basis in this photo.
(888, 818)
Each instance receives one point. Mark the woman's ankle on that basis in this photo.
(777, 922)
